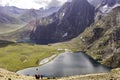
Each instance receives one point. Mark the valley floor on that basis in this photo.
(113, 75)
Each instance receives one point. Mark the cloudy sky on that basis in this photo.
(32, 3)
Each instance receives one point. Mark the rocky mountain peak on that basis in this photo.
(103, 7)
(106, 5)
(65, 24)
(103, 39)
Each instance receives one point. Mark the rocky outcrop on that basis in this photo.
(64, 25)
(104, 7)
(102, 39)
(101, 3)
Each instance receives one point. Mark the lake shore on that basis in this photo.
(113, 75)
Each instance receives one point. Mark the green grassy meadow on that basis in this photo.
(18, 56)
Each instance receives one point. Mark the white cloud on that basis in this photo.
(51, 3)
(33, 3)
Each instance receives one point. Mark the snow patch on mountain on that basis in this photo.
(65, 34)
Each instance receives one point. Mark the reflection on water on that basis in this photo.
(67, 64)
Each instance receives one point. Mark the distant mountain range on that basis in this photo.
(25, 15)
(70, 20)
(44, 26)
(13, 18)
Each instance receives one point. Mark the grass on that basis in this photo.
(7, 28)
(19, 56)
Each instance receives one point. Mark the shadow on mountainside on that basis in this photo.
(4, 43)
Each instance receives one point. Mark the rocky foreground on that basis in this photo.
(113, 75)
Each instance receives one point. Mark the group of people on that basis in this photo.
(37, 76)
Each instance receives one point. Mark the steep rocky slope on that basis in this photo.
(104, 6)
(66, 24)
(102, 3)
(102, 39)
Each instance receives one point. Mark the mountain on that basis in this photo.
(65, 24)
(102, 39)
(8, 19)
(33, 14)
(95, 3)
(106, 5)
(9, 15)
(4, 18)
(13, 20)
(101, 3)
(13, 12)
(103, 7)
(22, 14)
(70, 20)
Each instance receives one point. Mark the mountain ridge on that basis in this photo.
(13, 21)
(64, 24)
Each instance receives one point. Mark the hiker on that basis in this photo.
(27, 74)
(41, 76)
(37, 77)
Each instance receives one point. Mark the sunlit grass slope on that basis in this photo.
(14, 57)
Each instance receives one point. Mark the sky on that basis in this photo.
(36, 4)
